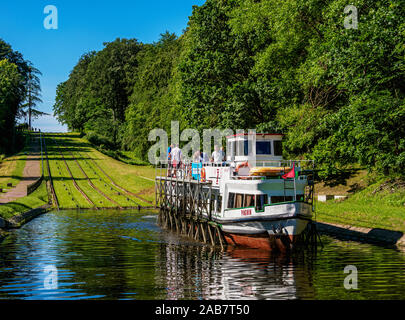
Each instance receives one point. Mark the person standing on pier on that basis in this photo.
(197, 156)
(204, 157)
(169, 154)
(176, 156)
(223, 156)
(216, 155)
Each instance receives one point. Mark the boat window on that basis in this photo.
(278, 199)
(245, 147)
(231, 200)
(219, 204)
(261, 200)
(239, 200)
(231, 149)
(240, 148)
(278, 148)
(249, 200)
(263, 147)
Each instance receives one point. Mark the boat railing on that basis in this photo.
(189, 170)
(185, 168)
(304, 164)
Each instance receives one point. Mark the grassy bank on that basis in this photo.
(38, 198)
(12, 167)
(11, 170)
(85, 178)
(73, 161)
(379, 205)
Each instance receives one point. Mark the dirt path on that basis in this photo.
(32, 172)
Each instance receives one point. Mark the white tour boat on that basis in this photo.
(260, 200)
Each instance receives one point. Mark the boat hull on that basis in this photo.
(279, 235)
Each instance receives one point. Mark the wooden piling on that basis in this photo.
(186, 208)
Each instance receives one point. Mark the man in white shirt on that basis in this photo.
(176, 156)
(217, 155)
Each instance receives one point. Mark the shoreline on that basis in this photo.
(18, 220)
(375, 236)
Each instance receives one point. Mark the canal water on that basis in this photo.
(125, 255)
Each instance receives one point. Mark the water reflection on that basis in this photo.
(125, 255)
(199, 272)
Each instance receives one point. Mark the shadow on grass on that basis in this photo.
(21, 178)
(340, 179)
(19, 207)
(375, 236)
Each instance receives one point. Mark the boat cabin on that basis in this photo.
(247, 157)
(268, 147)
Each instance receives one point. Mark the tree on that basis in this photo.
(11, 89)
(288, 66)
(33, 94)
(95, 97)
(154, 99)
(19, 93)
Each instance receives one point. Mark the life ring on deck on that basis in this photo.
(268, 171)
(203, 175)
(242, 165)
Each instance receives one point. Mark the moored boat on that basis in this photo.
(257, 198)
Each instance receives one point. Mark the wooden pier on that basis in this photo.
(186, 208)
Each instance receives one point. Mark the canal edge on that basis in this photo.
(344, 232)
(375, 236)
(20, 219)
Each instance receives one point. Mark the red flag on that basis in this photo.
(290, 174)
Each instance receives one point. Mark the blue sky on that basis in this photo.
(82, 26)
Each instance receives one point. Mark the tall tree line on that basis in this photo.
(289, 66)
(20, 91)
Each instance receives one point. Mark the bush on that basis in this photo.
(100, 141)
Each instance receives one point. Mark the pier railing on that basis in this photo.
(175, 187)
(185, 203)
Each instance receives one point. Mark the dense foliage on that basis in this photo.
(19, 92)
(290, 66)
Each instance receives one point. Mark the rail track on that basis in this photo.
(120, 187)
(88, 180)
(129, 193)
(106, 183)
(76, 185)
(93, 185)
(54, 197)
(95, 177)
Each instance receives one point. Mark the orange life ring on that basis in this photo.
(241, 165)
(203, 174)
